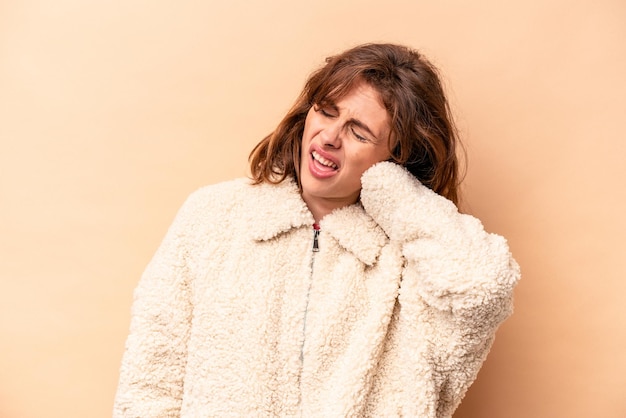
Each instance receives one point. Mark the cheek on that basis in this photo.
(368, 157)
(361, 164)
(382, 154)
(307, 134)
(309, 124)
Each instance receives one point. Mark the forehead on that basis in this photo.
(363, 97)
(335, 94)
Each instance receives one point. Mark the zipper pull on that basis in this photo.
(316, 233)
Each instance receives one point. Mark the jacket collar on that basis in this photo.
(355, 231)
(276, 209)
(279, 208)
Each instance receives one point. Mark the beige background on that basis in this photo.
(112, 112)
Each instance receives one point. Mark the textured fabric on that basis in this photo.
(237, 316)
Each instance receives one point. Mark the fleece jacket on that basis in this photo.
(236, 315)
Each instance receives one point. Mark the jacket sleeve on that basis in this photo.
(464, 275)
(153, 365)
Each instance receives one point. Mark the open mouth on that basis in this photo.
(323, 161)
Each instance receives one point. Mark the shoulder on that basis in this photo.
(224, 196)
(207, 194)
(211, 203)
(239, 201)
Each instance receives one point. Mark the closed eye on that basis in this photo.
(355, 123)
(328, 111)
(357, 136)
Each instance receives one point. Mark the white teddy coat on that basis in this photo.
(236, 316)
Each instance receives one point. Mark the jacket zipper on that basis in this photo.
(315, 249)
(316, 245)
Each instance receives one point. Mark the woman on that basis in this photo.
(341, 280)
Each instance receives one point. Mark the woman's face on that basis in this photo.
(340, 141)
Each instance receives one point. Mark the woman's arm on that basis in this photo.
(460, 266)
(463, 274)
(153, 365)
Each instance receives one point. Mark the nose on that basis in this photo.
(331, 137)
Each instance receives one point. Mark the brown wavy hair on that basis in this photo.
(423, 136)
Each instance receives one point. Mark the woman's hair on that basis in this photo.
(423, 137)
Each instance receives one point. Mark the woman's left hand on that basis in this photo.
(401, 205)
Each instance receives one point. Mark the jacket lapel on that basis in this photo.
(356, 232)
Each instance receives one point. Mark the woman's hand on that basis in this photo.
(401, 205)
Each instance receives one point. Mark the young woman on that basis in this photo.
(341, 280)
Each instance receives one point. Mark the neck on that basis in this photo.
(319, 211)
(322, 207)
